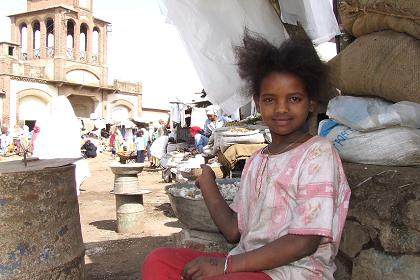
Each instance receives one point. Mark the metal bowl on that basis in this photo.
(193, 213)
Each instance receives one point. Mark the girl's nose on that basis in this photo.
(282, 107)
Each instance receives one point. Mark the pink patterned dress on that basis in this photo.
(303, 191)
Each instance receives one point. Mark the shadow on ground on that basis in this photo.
(120, 259)
(166, 208)
(105, 225)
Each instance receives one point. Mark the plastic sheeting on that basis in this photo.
(316, 17)
(209, 29)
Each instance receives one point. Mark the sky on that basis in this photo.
(153, 54)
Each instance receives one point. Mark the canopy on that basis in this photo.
(209, 29)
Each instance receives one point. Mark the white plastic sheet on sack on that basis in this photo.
(227, 141)
(369, 113)
(394, 146)
(225, 137)
(209, 29)
(316, 17)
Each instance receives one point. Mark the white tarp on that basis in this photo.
(316, 17)
(209, 29)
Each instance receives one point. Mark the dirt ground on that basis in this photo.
(111, 255)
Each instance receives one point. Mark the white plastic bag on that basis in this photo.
(394, 146)
(369, 113)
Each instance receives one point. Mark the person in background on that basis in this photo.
(199, 139)
(213, 121)
(148, 137)
(89, 149)
(5, 141)
(141, 144)
(162, 130)
(112, 144)
(291, 206)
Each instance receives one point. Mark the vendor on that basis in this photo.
(199, 139)
(213, 121)
(89, 149)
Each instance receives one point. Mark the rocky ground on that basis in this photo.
(110, 255)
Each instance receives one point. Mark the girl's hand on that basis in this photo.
(203, 267)
(206, 176)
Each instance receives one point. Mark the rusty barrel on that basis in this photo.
(40, 228)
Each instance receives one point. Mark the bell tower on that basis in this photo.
(64, 37)
(33, 5)
(58, 48)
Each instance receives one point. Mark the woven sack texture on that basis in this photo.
(384, 64)
(361, 17)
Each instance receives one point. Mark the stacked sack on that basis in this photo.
(373, 131)
(381, 66)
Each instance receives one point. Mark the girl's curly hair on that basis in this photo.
(257, 58)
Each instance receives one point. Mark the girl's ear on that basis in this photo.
(257, 102)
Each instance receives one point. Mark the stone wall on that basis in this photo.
(381, 238)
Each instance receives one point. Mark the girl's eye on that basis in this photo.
(295, 99)
(268, 100)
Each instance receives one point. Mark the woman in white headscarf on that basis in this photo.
(58, 136)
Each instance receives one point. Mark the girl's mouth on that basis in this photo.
(282, 121)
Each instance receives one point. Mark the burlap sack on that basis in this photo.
(384, 64)
(361, 17)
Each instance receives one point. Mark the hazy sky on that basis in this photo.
(153, 54)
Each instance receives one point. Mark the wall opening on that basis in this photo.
(95, 45)
(83, 41)
(36, 39)
(70, 39)
(50, 37)
(24, 41)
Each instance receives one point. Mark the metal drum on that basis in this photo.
(128, 197)
(130, 211)
(40, 228)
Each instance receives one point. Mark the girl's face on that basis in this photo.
(283, 103)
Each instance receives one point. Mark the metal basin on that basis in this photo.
(126, 169)
(193, 213)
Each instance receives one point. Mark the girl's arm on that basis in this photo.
(223, 216)
(286, 249)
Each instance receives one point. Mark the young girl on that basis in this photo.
(291, 206)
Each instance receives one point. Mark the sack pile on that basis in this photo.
(372, 131)
(361, 17)
(377, 118)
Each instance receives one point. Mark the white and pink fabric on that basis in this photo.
(303, 191)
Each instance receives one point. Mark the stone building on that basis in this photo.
(59, 48)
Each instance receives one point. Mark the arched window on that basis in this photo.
(95, 45)
(70, 39)
(24, 41)
(36, 39)
(50, 37)
(83, 41)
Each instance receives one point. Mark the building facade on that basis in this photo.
(59, 48)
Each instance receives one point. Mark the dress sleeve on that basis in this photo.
(317, 192)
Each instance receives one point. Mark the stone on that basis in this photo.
(343, 271)
(386, 200)
(355, 236)
(372, 264)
